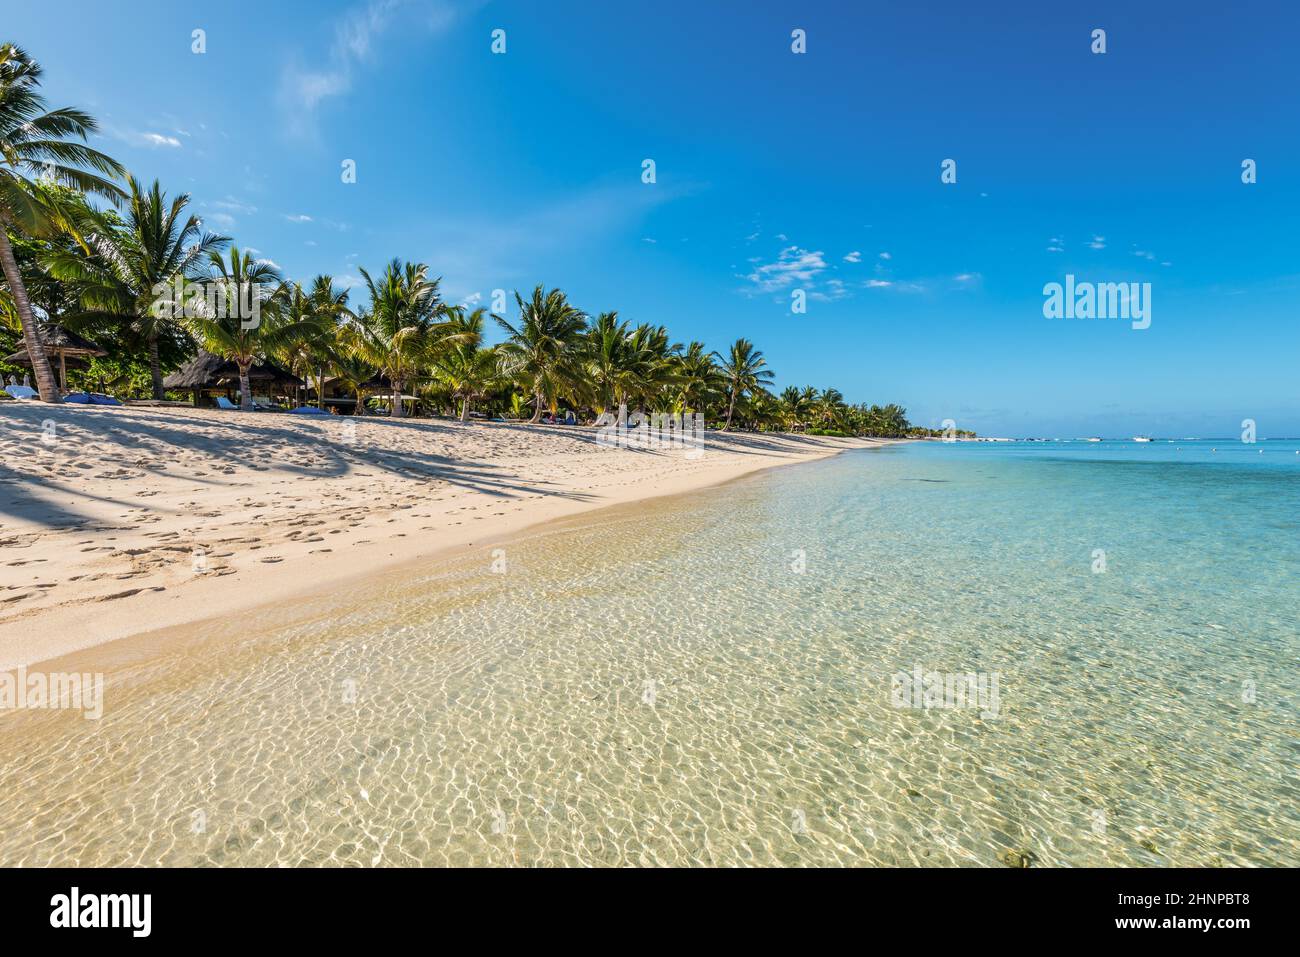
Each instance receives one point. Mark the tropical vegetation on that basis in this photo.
(89, 248)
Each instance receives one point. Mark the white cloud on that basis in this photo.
(792, 265)
(877, 283)
(853, 257)
(356, 33)
(886, 256)
(1098, 242)
(226, 207)
(496, 248)
(835, 289)
(142, 138)
(966, 277)
(298, 218)
(235, 206)
(308, 89)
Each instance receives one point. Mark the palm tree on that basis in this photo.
(354, 372)
(699, 378)
(465, 369)
(762, 410)
(135, 266)
(541, 352)
(319, 308)
(34, 142)
(894, 420)
(654, 370)
(53, 301)
(9, 313)
(607, 360)
(745, 370)
(828, 408)
(795, 404)
(399, 330)
(231, 333)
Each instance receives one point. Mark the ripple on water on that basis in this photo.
(662, 686)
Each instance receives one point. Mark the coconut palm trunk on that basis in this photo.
(746, 371)
(398, 411)
(45, 384)
(245, 389)
(464, 409)
(731, 408)
(155, 365)
(537, 408)
(32, 139)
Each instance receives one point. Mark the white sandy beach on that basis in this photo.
(119, 521)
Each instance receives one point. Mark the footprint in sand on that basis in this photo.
(128, 593)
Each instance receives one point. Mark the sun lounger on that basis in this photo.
(90, 398)
(224, 403)
(307, 410)
(21, 391)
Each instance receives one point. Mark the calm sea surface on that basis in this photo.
(714, 679)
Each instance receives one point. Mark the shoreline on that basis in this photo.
(81, 593)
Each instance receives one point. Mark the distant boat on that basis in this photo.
(1094, 439)
(1141, 438)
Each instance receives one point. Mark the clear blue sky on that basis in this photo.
(775, 171)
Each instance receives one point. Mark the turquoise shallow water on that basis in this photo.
(713, 680)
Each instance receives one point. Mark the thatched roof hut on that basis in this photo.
(206, 372)
(62, 344)
(376, 383)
